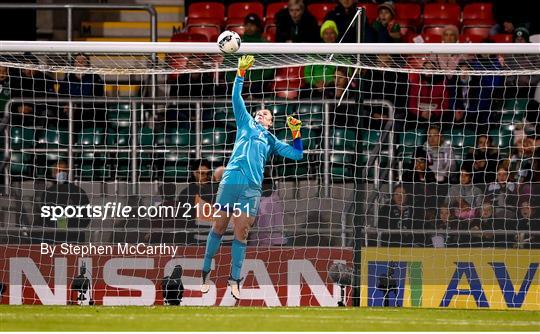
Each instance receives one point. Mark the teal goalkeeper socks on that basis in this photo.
(238, 255)
(212, 245)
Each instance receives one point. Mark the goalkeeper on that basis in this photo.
(239, 191)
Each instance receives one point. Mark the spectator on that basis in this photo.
(218, 174)
(428, 96)
(527, 222)
(5, 91)
(521, 35)
(465, 215)
(445, 222)
(421, 173)
(509, 16)
(295, 24)
(504, 193)
(344, 114)
(523, 162)
(465, 190)
(482, 235)
(490, 92)
(193, 84)
(450, 34)
(27, 84)
(252, 29)
(385, 28)
(63, 193)
(270, 220)
(383, 84)
(343, 14)
(196, 85)
(440, 155)
(319, 77)
(398, 215)
(83, 85)
(484, 158)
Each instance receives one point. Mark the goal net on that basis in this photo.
(418, 185)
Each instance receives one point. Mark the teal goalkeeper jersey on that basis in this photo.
(254, 144)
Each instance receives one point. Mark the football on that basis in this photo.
(229, 41)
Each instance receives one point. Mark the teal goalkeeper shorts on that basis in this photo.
(237, 194)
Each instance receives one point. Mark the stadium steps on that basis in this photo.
(128, 29)
(164, 14)
(120, 39)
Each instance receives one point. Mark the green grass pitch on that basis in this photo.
(160, 318)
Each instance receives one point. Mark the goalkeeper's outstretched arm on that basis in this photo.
(296, 151)
(241, 114)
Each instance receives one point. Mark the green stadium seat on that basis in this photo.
(342, 165)
(280, 112)
(221, 116)
(462, 140)
(502, 138)
(176, 166)
(146, 138)
(22, 137)
(343, 139)
(218, 138)
(306, 108)
(120, 137)
(51, 139)
(179, 138)
(20, 164)
(119, 115)
(514, 111)
(91, 136)
(92, 165)
(311, 138)
(369, 138)
(409, 141)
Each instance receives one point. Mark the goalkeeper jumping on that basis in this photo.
(239, 191)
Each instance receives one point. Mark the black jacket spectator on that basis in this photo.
(304, 30)
(343, 14)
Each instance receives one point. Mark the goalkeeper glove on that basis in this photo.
(294, 124)
(244, 63)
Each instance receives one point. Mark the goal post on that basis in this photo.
(418, 185)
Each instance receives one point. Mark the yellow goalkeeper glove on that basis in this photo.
(244, 63)
(294, 124)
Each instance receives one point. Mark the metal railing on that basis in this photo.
(133, 148)
(69, 8)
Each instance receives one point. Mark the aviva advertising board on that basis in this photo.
(451, 278)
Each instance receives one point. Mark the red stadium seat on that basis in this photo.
(239, 28)
(206, 12)
(442, 13)
(242, 9)
(270, 32)
(208, 30)
(409, 12)
(371, 11)
(465, 38)
(482, 31)
(288, 82)
(502, 38)
(433, 30)
(319, 10)
(479, 13)
(187, 37)
(272, 9)
(432, 38)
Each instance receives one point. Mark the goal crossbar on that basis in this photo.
(269, 48)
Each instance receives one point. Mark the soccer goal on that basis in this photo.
(418, 184)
